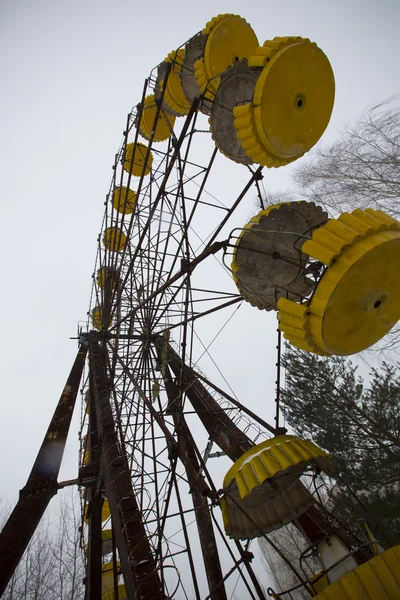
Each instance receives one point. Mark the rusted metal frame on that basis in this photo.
(141, 374)
(278, 384)
(138, 565)
(161, 256)
(93, 588)
(187, 251)
(246, 188)
(225, 492)
(167, 306)
(208, 543)
(233, 400)
(127, 248)
(132, 404)
(202, 466)
(115, 562)
(230, 438)
(192, 213)
(213, 249)
(174, 445)
(140, 183)
(177, 449)
(259, 194)
(174, 212)
(218, 425)
(176, 514)
(121, 153)
(41, 485)
(246, 558)
(190, 218)
(236, 562)
(153, 441)
(110, 258)
(117, 408)
(199, 315)
(217, 206)
(192, 111)
(187, 541)
(187, 283)
(316, 524)
(162, 521)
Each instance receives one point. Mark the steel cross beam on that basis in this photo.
(315, 523)
(138, 565)
(42, 484)
(205, 528)
(215, 420)
(94, 494)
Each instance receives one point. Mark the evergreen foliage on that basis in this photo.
(358, 424)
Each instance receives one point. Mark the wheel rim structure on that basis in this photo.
(161, 231)
(138, 323)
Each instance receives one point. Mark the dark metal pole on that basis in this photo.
(215, 420)
(94, 555)
(205, 528)
(41, 485)
(278, 384)
(315, 523)
(138, 565)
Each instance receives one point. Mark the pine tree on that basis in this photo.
(358, 424)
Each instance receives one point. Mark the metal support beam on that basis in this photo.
(315, 523)
(41, 485)
(94, 554)
(205, 528)
(138, 565)
(215, 420)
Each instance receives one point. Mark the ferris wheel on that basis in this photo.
(177, 475)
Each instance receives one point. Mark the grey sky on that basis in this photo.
(70, 72)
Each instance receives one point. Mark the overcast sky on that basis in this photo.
(70, 72)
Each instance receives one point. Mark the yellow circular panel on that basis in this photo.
(264, 484)
(293, 100)
(163, 126)
(124, 200)
(359, 298)
(376, 579)
(230, 39)
(107, 277)
(135, 159)
(97, 318)
(105, 511)
(281, 454)
(114, 239)
(175, 100)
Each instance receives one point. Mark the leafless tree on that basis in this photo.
(52, 567)
(291, 543)
(362, 168)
